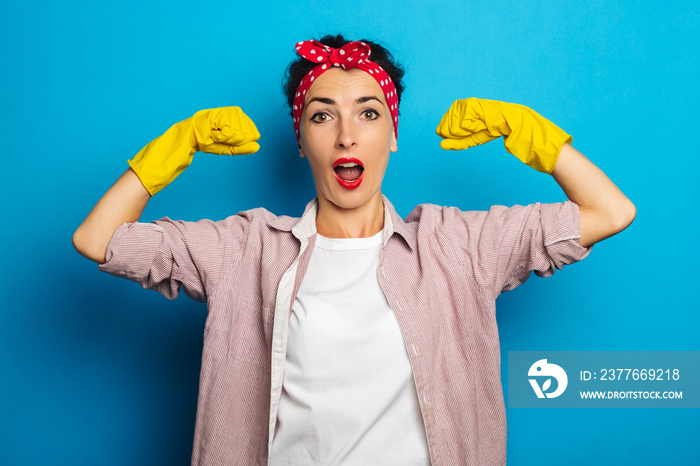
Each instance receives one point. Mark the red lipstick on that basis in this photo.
(349, 184)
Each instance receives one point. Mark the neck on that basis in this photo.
(333, 221)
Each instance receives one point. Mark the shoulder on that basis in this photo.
(206, 234)
(423, 213)
(446, 215)
(258, 217)
(497, 221)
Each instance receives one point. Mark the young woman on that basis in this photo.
(350, 335)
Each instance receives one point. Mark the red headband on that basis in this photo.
(351, 55)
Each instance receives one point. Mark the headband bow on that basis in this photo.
(351, 55)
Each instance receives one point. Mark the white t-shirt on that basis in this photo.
(348, 395)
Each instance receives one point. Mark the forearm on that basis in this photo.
(123, 202)
(605, 210)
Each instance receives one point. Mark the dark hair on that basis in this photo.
(301, 66)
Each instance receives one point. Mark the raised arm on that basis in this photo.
(225, 131)
(542, 145)
(604, 209)
(123, 202)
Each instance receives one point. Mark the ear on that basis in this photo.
(394, 147)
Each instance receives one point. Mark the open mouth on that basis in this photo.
(348, 172)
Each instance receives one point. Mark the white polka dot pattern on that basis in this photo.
(351, 55)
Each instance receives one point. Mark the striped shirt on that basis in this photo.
(441, 271)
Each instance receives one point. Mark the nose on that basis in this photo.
(346, 134)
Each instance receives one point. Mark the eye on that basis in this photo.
(370, 114)
(320, 117)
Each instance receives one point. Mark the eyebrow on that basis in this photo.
(328, 101)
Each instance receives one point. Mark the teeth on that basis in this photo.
(347, 165)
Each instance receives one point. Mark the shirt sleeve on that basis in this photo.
(500, 247)
(167, 255)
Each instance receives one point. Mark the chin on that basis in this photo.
(355, 199)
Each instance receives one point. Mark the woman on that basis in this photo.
(351, 336)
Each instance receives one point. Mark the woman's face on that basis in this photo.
(347, 135)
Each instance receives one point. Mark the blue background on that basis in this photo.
(94, 370)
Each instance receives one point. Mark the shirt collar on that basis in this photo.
(393, 223)
(305, 227)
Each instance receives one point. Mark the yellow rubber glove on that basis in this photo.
(527, 135)
(223, 131)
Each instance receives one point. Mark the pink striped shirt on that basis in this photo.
(441, 271)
